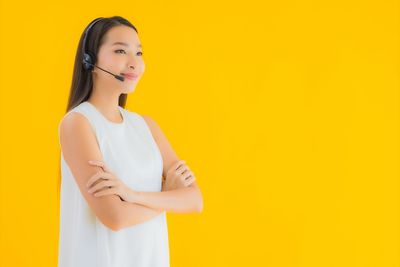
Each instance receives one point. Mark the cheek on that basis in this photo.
(110, 60)
(142, 66)
(105, 60)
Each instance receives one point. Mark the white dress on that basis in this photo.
(129, 150)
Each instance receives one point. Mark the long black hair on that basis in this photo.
(82, 81)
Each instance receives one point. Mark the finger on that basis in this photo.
(176, 165)
(96, 163)
(97, 176)
(186, 175)
(94, 178)
(189, 181)
(110, 191)
(181, 169)
(107, 169)
(100, 185)
(100, 164)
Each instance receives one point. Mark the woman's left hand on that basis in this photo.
(111, 185)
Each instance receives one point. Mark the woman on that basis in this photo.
(119, 174)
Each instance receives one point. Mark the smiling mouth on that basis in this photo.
(130, 76)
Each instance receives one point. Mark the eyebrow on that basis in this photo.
(124, 44)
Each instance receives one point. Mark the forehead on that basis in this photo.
(122, 34)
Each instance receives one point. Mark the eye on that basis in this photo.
(120, 50)
(140, 53)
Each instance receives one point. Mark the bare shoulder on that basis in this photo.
(168, 154)
(74, 126)
(72, 121)
(78, 146)
(151, 123)
(156, 130)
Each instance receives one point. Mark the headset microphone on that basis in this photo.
(89, 59)
(118, 77)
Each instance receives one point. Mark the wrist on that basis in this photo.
(133, 196)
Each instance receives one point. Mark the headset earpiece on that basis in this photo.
(89, 59)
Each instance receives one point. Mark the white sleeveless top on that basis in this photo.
(129, 150)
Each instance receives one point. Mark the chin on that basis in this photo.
(129, 89)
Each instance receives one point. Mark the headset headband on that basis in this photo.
(87, 32)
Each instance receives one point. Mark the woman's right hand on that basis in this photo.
(178, 176)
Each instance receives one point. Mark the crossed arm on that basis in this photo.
(151, 204)
(79, 145)
(183, 200)
(147, 205)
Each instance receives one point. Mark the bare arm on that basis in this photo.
(79, 145)
(132, 214)
(181, 200)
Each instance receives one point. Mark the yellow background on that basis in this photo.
(287, 112)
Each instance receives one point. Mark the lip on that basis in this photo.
(130, 76)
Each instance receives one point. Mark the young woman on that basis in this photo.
(119, 173)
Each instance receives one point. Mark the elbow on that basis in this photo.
(198, 200)
(199, 204)
(113, 225)
(113, 216)
(117, 225)
(199, 208)
(112, 222)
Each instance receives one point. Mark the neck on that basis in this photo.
(106, 101)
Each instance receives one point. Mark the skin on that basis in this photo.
(116, 59)
(115, 204)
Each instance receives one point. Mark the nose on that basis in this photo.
(132, 63)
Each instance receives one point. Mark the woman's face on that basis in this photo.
(121, 52)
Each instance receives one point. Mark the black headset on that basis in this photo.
(89, 59)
